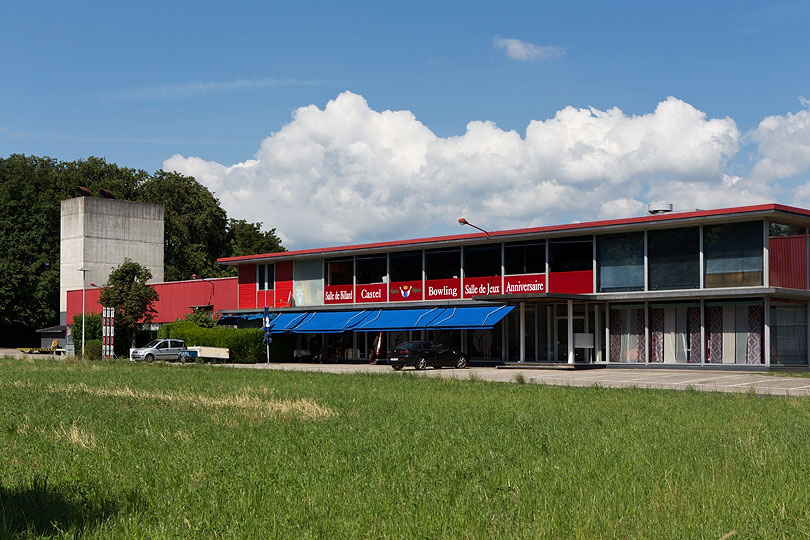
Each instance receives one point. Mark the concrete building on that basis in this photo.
(99, 233)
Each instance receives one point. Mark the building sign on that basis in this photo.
(375, 292)
(338, 294)
(401, 291)
(530, 283)
(442, 289)
(478, 286)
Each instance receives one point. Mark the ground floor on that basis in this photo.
(742, 331)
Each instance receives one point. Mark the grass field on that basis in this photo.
(121, 450)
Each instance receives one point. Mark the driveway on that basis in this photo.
(681, 379)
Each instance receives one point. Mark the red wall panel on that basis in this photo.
(284, 283)
(571, 282)
(787, 258)
(176, 298)
(247, 286)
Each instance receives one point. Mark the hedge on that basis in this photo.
(245, 345)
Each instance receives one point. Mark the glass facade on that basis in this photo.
(482, 261)
(372, 269)
(735, 332)
(620, 262)
(627, 324)
(570, 254)
(525, 257)
(788, 332)
(442, 263)
(732, 253)
(406, 265)
(675, 333)
(673, 259)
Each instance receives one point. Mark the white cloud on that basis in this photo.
(784, 145)
(347, 173)
(523, 50)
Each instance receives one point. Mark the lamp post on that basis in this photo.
(84, 271)
(463, 221)
(211, 295)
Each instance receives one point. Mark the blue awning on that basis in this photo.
(457, 318)
(331, 322)
(398, 319)
(285, 322)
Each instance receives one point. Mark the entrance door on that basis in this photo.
(581, 326)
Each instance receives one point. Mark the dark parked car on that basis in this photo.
(421, 354)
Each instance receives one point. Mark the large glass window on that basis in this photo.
(372, 269)
(481, 261)
(787, 256)
(673, 259)
(525, 257)
(733, 254)
(734, 332)
(339, 271)
(406, 266)
(570, 254)
(620, 262)
(443, 263)
(627, 333)
(788, 332)
(675, 333)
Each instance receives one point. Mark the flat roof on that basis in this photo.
(759, 210)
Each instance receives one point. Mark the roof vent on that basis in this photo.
(659, 208)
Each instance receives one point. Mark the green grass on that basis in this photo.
(121, 450)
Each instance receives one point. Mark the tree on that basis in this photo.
(248, 239)
(128, 294)
(195, 225)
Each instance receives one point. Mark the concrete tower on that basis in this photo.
(98, 233)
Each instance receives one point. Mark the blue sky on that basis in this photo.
(201, 87)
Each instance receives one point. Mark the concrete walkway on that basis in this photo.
(710, 381)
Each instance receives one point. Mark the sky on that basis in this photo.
(350, 122)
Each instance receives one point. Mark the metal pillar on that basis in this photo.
(522, 328)
(570, 331)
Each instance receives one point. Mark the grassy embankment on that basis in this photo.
(120, 450)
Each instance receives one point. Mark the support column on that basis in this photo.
(570, 331)
(767, 317)
(596, 333)
(522, 328)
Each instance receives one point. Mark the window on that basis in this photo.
(673, 259)
(733, 254)
(620, 260)
(443, 263)
(372, 269)
(340, 271)
(406, 266)
(482, 261)
(266, 276)
(788, 332)
(570, 254)
(525, 257)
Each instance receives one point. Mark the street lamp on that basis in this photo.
(84, 271)
(211, 294)
(463, 221)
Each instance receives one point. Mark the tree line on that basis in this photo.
(197, 230)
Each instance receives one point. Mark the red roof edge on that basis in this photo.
(772, 207)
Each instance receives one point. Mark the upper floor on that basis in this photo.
(755, 246)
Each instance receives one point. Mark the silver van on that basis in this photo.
(159, 349)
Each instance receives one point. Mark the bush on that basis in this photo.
(245, 345)
(93, 347)
(92, 330)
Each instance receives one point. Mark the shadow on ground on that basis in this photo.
(40, 509)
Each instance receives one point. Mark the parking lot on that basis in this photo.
(680, 379)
